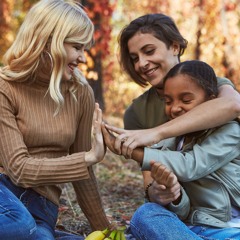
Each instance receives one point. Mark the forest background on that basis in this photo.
(212, 29)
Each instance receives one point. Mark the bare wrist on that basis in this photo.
(161, 133)
(138, 154)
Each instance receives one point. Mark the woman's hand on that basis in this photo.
(109, 140)
(127, 140)
(165, 188)
(96, 154)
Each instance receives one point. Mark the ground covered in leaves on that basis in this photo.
(121, 187)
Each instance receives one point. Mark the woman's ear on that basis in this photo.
(176, 48)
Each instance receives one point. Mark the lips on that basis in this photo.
(72, 66)
(150, 71)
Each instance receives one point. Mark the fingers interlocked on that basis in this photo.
(124, 139)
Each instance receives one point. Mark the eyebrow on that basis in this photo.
(147, 45)
(142, 48)
(181, 95)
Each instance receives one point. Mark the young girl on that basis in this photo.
(46, 112)
(205, 163)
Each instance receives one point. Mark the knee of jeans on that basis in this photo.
(141, 214)
(20, 227)
(148, 212)
(24, 223)
(28, 232)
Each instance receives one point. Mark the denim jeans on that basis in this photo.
(152, 221)
(25, 214)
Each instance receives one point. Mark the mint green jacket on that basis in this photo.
(208, 169)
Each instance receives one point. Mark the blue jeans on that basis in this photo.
(152, 221)
(25, 214)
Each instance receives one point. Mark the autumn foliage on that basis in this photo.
(212, 29)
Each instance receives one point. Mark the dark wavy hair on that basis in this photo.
(200, 72)
(161, 26)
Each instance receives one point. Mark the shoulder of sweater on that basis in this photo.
(3, 82)
(4, 85)
(85, 90)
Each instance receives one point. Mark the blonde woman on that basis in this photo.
(46, 113)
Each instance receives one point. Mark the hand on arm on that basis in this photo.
(220, 110)
(115, 144)
(162, 175)
(233, 99)
(165, 187)
(127, 140)
(98, 150)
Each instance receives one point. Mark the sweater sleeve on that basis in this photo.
(89, 200)
(82, 140)
(87, 192)
(24, 169)
(219, 148)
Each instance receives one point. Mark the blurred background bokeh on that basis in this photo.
(212, 29)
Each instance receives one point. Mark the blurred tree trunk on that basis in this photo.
(227, 50)
(197, 51)
(96, 84)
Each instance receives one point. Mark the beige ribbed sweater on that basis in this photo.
(41, 151)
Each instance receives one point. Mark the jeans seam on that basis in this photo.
(7, 210)
(138, 231)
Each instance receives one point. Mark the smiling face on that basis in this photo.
(151, 58)
(182, 94)
(74, 56)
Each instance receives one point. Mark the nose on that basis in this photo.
(82, 57)
(143, 62)
(176, 110)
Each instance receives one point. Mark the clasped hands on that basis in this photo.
(125, 141)
(165, 187)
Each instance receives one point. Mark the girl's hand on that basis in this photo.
(165, 188)
(97, 153)
(162, 175)
(163, 196)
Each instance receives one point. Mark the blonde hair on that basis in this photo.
(47, 26)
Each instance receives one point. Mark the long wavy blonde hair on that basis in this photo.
(47, 26)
